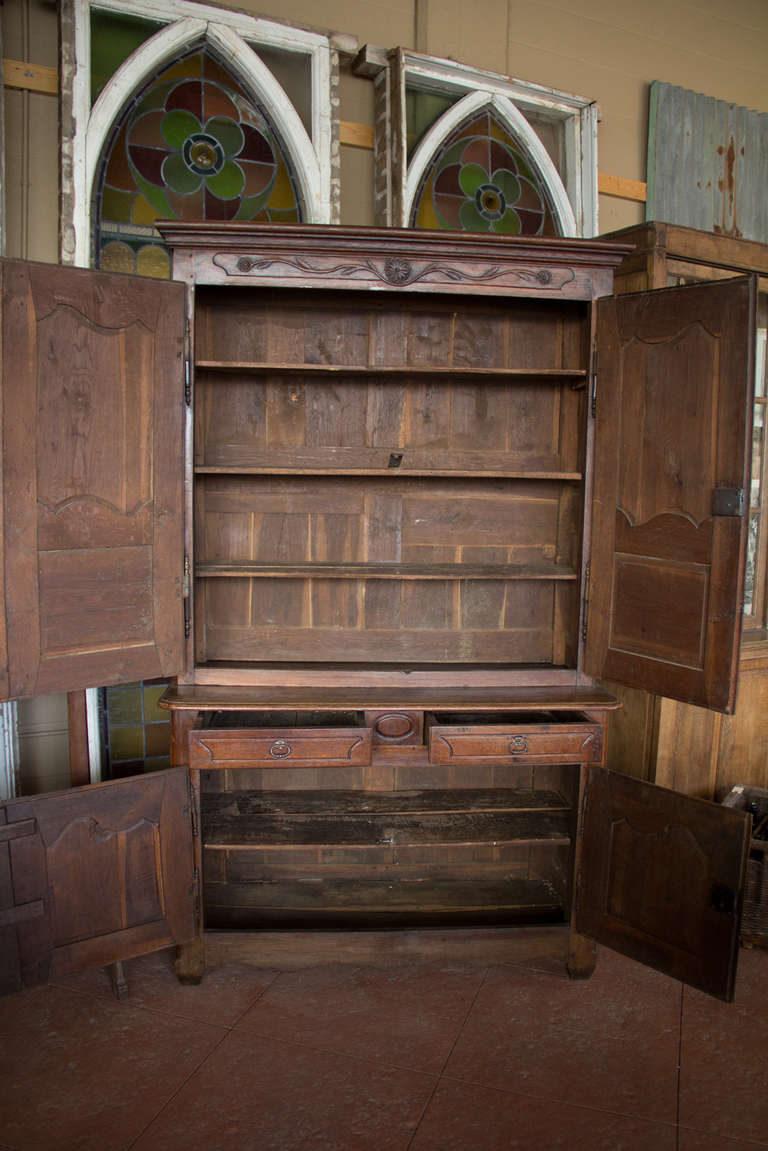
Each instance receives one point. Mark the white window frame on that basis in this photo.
(573, 193)
(187, 24)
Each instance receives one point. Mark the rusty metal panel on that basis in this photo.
(706, 164)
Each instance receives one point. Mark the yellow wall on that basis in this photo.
(606, 50)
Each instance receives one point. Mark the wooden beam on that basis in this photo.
(356, 135)
(79, 766)
(30, 77)
(621, 187)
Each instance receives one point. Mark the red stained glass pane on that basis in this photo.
(217, 103)
(476, 153)
(255, 147)
(118, 174)
(216, 209)
(186, 207)
(148, 130)
(148, 163)
(449, 208)
(447, 181)
(188, 96)
(257, 178)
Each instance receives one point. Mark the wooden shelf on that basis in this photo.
(378, 371)
(406, 694)
(392, 898)
(393, 571)
(370, 819)
(390, 472)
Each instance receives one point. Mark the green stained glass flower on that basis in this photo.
(203, 154)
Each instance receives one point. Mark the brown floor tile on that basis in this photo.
(403, 1016)
(253, 1094)
(461, 1117)
(752, 981)
(610, 1043)
(222, 997)
(699, 1141)
(724, 1069)
(88, 1074)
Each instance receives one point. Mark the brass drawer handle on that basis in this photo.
(280, 749)
(518, 743)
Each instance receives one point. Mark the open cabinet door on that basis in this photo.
(671, 497)
(92, 395)
(95, 875)
(661, 879)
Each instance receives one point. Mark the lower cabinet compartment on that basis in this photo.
(433, 857)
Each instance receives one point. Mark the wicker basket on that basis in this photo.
(754, 918)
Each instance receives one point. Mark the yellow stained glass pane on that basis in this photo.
(152, 710)
(427, 216)
(282, 197)
(188, 68)
(154, 261)
(124, 704)
(117, 205)
(144, 212)
(126, 742)
(117, 257)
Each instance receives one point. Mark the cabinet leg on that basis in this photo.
(118, 980)
(582, 956)
(190, 961)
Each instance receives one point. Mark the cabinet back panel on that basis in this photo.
(297, 327)
(413, 621)
(298, 422)
(400, 520)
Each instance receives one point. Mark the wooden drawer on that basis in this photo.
(275, 746)
(460, 740)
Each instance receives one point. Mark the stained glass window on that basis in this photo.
(191, 145)
(481, 181)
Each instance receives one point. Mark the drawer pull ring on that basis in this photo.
(518, 743)
(280, 749)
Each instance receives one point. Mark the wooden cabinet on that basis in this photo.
(433, 487)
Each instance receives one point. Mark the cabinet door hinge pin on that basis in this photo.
(585, 602)
(187, 366)
(185, 598)
(193, 812)
(197, 898)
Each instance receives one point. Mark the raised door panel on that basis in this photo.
(661, 879)
(673, 429)
(92, 393)
(94, 875)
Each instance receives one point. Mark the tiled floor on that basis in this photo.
(438, 1057)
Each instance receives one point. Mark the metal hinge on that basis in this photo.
(193, 811)
(185, 599)
(585, 602)
(593, 383)
(187, 366)
(197, 898)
